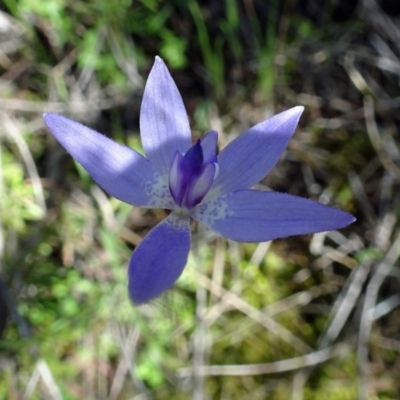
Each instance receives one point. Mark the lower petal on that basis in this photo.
(255, 216)
(159, 259)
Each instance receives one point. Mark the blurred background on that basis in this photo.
(310, 317)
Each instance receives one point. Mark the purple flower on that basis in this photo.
(193, 181)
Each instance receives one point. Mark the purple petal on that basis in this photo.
(255, 216)
(200, 186)
(164, 124)
(119, 170)
(209, 146)
(189, 178)
(248, 158)
(159, 259)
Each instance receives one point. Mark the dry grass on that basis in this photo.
(302, 318)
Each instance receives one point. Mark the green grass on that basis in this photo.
(71, 330)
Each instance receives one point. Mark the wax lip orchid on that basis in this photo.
(192, 181)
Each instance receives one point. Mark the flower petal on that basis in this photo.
(248, 158)
(209, 145)
(255, 216)
(164, 124)
(199, 187)
(119, 170)
(159, 259)
(189, 178)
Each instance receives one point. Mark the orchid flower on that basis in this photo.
(192, 181)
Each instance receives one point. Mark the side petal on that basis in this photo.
(119, 170)
(164, 125)
(255, 216)
(248, 158)
(159, 259)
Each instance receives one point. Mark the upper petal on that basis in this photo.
(248, 158)
(159, 259)
(119, 170)
(255, 216)
(164, 125)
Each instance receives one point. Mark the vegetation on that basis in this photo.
(311, 317)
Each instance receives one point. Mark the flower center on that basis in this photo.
(190, 178)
